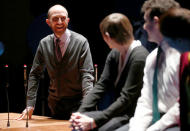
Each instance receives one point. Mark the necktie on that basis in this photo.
(58, 50)
(156, 114)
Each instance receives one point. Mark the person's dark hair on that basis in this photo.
(175, 23)
(158, 7)
(118, 26)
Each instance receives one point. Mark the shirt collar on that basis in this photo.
(134, 44)
(64, 37)
(164, 45)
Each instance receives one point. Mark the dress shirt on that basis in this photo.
(168, 92)
(64, 41)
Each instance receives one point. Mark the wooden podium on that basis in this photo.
(37, 123)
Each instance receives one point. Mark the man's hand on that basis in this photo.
(24, 113)
(82, 122)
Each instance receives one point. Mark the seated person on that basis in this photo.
(123, 74)
(175, 27)
(158, 107)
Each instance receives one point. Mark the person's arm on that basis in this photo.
(86, 68)
(34, 77)
(106, 80)
(127, 98)
(143, 112)
(168, 119)
(90, 101)
(128, 94)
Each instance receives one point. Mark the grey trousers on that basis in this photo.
(113, 124)
(110, 125)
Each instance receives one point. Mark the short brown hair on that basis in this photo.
(118, 26)
(158, 7)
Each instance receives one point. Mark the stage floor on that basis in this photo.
(37, 123)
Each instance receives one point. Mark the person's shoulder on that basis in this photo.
(150, 60)
(152, 55)
(77, 36)
(114, 53)
(141, 49)
(154, 52)
(139, 52)
(47, 38)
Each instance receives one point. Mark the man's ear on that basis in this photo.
(68, 20)
(156, 19)
(106, 36)
(48, 22)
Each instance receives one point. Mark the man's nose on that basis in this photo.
(144, 26)
(59, 20)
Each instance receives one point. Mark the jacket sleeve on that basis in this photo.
(127, 98)
(90, 101)
(86, 68)
(34, 77)
(128, 94)
(143, 112)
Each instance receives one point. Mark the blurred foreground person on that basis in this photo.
(175, 27)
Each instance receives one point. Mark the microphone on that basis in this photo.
(25, 86)
(96, 72)
(7, 85)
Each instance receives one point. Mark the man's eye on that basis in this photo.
(55, 19)
(63, 19)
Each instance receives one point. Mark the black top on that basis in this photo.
(126, 91)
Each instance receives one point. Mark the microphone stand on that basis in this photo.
(25, 86)
(96, 77)
(7, 85)
(96, 72)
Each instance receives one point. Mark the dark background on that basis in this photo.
(22, 25)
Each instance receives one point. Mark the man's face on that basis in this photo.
(151, 28)
(58, 21)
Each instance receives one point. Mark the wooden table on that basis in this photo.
(37, 123)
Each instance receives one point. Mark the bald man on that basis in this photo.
(66, 56)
